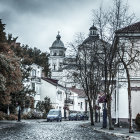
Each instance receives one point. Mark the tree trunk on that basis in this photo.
(91, 112)
(94, 106)
(109, 115)
(129, 100)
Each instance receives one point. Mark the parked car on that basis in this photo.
(82, 116)
(86, 116)
(54, 115)
(73, 116)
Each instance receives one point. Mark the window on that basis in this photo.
(33, 72)
(55, 53)
(59, 95)
(54, 66)
(33, 86)
(81, 105)
(60, 65)
(61, 53)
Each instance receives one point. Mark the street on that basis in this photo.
(42, 130)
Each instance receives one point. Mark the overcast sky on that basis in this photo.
(36, 22)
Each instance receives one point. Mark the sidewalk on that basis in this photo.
(8, 123)
(119, 132)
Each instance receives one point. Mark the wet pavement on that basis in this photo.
(42, 130)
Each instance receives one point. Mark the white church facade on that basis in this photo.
(120, 111)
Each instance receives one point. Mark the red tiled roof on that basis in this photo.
(80, 92)
(52, 81)
(134, 28)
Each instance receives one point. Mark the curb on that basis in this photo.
(119, 135)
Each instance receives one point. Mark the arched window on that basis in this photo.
(54, 66)
(33, 72)
(54, 54)
(60, 53)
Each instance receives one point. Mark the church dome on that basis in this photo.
(93, 35)
(57, 43)
(93, 27)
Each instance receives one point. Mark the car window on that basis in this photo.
(54, 113)
(72, 114)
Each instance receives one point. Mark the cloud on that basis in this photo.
(36, 22)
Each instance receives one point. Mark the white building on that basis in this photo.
(80, 102)
(55, 92)
(120, 109)
(65, 99)
(34, 81)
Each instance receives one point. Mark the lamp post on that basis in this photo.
(104, 116)
(8, 110)
(66, 102)
(19, 113)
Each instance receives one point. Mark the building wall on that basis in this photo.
(123, 102)
(55, 93)
(35, 76)
(78, 103)
(135, 99)
(48, 90)
(61, 96)
(123, 112)
(34, 82)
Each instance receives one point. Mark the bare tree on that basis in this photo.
(108, 22)
(129, 55)
(86, 71)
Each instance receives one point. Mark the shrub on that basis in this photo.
(2, 115)
(11, 117)
(33, 115)
(44, 115)
(24, 116)
(137, 121)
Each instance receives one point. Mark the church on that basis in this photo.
(120, 97)
(57, 55)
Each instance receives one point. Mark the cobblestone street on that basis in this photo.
(41, 130)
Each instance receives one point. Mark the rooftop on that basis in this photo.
(51, 81)
(57, 43)
(133, 28)
(80, 92)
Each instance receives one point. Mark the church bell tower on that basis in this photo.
(57, 55)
